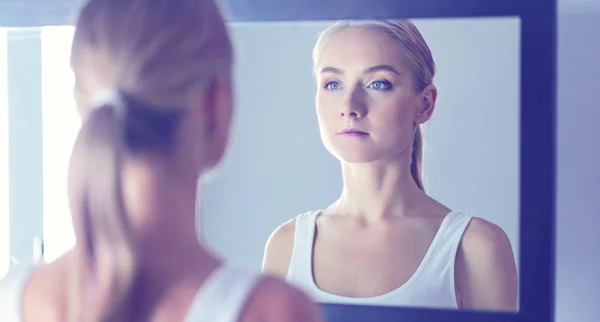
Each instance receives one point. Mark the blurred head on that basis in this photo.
(375, 90)
(166, 65)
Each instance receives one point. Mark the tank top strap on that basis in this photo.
(223, 295)
(11, 291)
(301, 262)
(443, 254)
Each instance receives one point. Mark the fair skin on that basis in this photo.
(160, 198)
(382, 222)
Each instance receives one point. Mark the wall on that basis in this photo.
(578, 174)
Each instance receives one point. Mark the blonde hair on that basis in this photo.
(160, 57)
(414, 50)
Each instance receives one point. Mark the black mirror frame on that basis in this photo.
(537, 140)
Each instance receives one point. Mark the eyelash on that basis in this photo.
(386, 85)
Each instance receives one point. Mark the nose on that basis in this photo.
(353, 106)
(353, 113)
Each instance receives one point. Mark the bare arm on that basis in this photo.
(486, 274)
(278, 250)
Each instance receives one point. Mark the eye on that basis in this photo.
(331, 86)
(380, 85)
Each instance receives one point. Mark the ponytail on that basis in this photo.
(416, 159)
(106, 266)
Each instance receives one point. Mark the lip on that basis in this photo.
(352, 132)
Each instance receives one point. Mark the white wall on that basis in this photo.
(578, 175)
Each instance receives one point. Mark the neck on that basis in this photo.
(171, 257)
(166, 228)
(161, 205)
(378, 189)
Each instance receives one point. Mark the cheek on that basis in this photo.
(397, 110)
(394, 121)
(325, 111)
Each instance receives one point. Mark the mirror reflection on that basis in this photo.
(375, 163)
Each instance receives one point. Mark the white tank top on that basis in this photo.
(432, 284)
(221, 298)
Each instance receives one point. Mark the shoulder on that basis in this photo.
(284, 232)
(47, 291)
(485, 269)
(483, 238)
(485, 244)
(274, 300)
(279, 247)
(32, 286)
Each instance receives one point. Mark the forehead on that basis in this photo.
(360, 48)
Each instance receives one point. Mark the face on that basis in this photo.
(367, 104)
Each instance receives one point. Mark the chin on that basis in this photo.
(355, 156)
(356, 153)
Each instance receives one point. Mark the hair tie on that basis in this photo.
(110, 97)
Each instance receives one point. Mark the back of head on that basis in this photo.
(158, 58)
(415, 51)
(161, 51)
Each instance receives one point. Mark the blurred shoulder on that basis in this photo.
(276, 301)
(46, 291)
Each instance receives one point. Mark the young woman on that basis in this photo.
(133, 176)
(385, 241)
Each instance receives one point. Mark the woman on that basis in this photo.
(133, 175)
(385, 241)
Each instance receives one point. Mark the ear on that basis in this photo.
(427, 101)
(219, 112)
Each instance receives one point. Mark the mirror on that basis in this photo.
(277, 166)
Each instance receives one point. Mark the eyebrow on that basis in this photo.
(369, 70)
